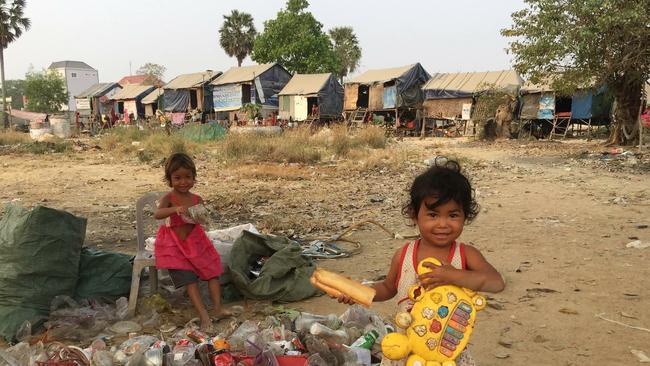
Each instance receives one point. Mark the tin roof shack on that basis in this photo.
(189, 92)
(452, 95)
(152, 102)
(257, 84)
(129, 99)
(387, 92)
(96, 100)
(317, 95)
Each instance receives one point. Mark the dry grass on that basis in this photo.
(271, 172)
(299, 145)
(13, 138)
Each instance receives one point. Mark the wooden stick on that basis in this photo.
(600, 316)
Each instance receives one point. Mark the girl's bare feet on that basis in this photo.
(206, 324)
(221, 313)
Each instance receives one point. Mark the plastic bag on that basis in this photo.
(24, 331)
(242, 333)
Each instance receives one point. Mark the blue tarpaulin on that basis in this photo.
(581, 104)
(546, 106)
(390, 95)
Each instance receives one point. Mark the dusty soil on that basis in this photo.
(555, 220)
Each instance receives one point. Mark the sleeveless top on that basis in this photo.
(407, 276)
(176, 220)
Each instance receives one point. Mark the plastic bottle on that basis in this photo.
(305, 321)
(336, 336)
(367, 340)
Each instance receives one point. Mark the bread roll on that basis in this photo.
(335, 285)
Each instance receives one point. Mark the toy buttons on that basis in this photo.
(438, 326)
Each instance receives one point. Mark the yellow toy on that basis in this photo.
(438, 326)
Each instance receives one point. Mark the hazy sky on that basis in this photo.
(445, 36)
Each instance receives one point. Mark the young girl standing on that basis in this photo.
(182, 246)
(440, 203)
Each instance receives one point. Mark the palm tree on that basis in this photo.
(237, 35)
(346, 46)
(12, 24)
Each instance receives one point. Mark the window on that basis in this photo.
(74, 74)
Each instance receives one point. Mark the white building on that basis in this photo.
(78, 77)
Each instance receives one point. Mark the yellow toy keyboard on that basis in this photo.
(438, 327)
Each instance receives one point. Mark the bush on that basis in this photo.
(12, 138)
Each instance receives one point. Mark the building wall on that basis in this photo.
(76, 81)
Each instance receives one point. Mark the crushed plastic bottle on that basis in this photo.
(102, 358)
(316, 360)
(332, 336)
(238, 338)
(306, 320)
(121, 308)
(24, 331)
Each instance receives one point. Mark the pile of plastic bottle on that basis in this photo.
(285, 339)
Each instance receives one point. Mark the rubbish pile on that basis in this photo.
(284, 338)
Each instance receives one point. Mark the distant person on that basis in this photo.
(441, 202)
(181, 245)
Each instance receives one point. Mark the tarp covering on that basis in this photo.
(189, 81)
(381, 75)
(153, 96)
(581, 104)
(103, 275)
(242, 74)
(97, 90)
(467, 84)
(39, 252)
(330, 98)
(284, 276)
(305, 84)
(176, 100)
(546, 106)
(390, 96)
(203, 132)
(529, 106)
(132, 92)
(408, 81)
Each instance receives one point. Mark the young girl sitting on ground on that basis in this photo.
(441, 202)
(182, 246)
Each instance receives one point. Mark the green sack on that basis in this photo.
(103, 275)
(39, 259)
(284, 276)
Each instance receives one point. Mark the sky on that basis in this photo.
(117, 36)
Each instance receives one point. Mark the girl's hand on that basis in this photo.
(344, 299)
(439, 275)
(181, 210)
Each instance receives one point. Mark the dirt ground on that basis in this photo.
(555, 221)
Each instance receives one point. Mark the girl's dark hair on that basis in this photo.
(445, 181)
(176, 161)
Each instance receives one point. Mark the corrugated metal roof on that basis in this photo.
(132, 91)
(70, 64)
(194, 80)
(474, 82)
(381, 75)
(241, 74)
(302, 84)
(152, 97)
(96, 90)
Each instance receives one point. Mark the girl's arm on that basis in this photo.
(165, 209)
(480, 275)
(386, 289)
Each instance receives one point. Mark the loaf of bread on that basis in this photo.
(336, 285)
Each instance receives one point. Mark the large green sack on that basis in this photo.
(284, 276)
(39, 259)
(103, 275)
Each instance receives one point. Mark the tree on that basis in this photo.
(346, 47)
(15, 91)
(155, 70)
(45, 91)
(237, 35)
(12, 25)
(295, 39)
(583, 42)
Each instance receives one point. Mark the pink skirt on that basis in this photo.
(196, 253)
